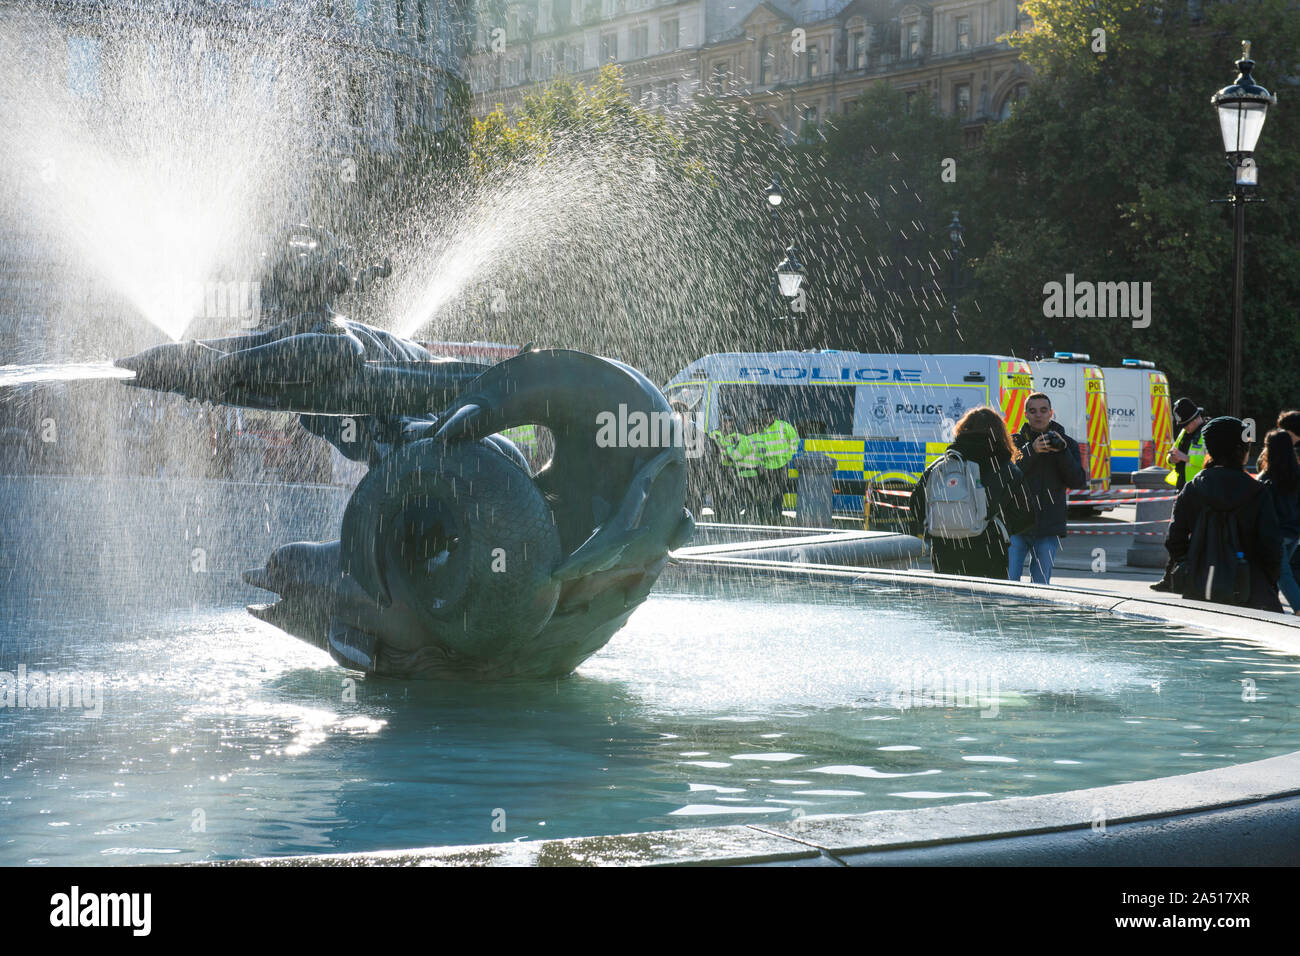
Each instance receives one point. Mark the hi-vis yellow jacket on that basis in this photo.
(1195, 458)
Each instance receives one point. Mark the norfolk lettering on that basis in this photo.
(1098, 300)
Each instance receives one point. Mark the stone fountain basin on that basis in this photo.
(1243, 815)
(1247, 814)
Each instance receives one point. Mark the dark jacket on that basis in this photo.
(1286, 505)
(984, 556)
(1261, 539)
(1049, 476)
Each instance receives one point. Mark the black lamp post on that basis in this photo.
(1241, 109)
(955, 230)
(774, 196)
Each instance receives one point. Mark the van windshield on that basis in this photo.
(812, 410)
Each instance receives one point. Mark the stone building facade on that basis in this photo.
(795, 62)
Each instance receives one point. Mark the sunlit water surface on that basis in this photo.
(220, 737)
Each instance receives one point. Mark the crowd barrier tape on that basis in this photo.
(1108, 497)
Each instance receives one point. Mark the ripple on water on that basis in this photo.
(214, 712)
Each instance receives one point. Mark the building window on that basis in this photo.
(963, 33)
(914, 40)
(909, 99)
(421, 21)
(1024, 23)
(858, 50)
(638, 41)
(765, 61)
(84, 66)
(608, 47)
(356, 100)
(401, 93)
(809, 128)
(669, 35)
(848, 106)
(814, 61)
(961, 100)
(1018, 93)
(671, 94)
(543, 18)
(573, 58)
(719, 83)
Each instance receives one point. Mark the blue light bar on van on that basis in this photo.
(1138, 363)
(1072, 357)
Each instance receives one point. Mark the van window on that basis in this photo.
(812, 410)
(688, 395)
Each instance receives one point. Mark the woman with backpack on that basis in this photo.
(1224, 542)
(970, 501)
(1281, 473)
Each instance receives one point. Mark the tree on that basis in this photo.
(1106, 172)
(874, 215)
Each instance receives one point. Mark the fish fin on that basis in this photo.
(351, 647)
(459, 425)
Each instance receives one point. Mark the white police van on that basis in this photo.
(882, 417)
(1141, 421)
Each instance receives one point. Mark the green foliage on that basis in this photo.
(873, 212)
(1107, 170)
(601, 114)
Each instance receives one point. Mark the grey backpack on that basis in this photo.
(956, 501)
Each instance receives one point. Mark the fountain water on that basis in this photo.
(686, 718)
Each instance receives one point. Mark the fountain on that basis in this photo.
(604, 694)
(455, 561)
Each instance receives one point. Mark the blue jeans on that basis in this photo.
(1287, 583)
(1042, 552)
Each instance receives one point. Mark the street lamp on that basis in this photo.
(955, 230)
(790, 272)
(774, 193)
(1241, 109)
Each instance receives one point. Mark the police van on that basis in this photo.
(1141, 422)
(883, 418)
(1077, 389)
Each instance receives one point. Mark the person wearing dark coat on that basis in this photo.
(1224, 484)
(981, 437)
(1282, 478)
(1052, 464)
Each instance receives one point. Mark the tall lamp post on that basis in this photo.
(955, 230)
(1241, 108)
(774, 196)
(789, 275)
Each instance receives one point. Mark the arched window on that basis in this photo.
(1018, 93)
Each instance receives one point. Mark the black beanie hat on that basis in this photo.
(1223, 438)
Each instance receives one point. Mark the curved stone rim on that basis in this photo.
(1165, 821)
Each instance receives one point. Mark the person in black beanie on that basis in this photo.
(1224, 486)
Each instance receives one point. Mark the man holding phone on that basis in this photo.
(1052, 464)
